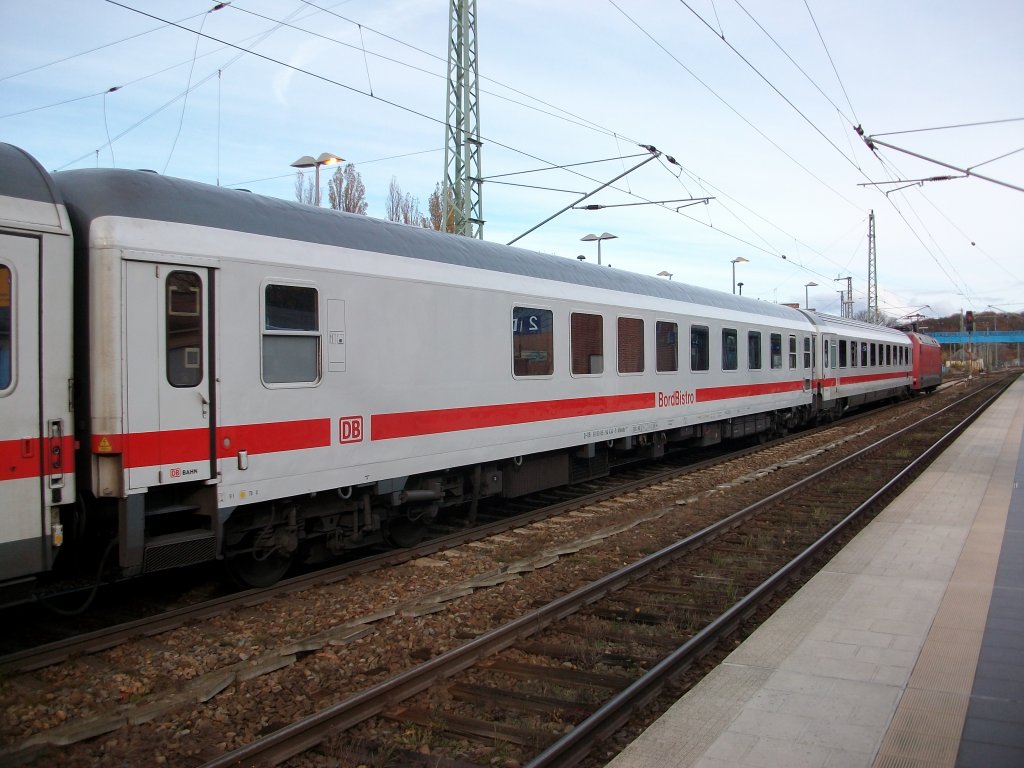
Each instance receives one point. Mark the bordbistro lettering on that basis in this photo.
(670, 399)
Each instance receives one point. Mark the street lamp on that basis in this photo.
(326, 158)
(599, 238)
(737, 260)
(665, 273)
(740, 285)
(807, 303)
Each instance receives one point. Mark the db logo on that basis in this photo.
(175, 472)
(350, 429)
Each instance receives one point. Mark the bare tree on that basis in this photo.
(346, 191)
(404, 208)
(436, 207)
(304, 191)
(393, 205)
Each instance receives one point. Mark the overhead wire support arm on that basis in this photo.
(873, 143)
(655, 153)
(688, 200)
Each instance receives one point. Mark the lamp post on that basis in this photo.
(598, 238)
(807, 303)
(740, 286)
(326, 158)
(737, 260)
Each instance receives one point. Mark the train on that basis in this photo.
(191, 373)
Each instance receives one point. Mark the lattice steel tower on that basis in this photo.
(462, 205)
(873, 316)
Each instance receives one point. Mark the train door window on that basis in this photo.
(792, 352)
(667, 346)
(864, 354)
(532, 342)
(184, 329)
(291, 334)
(730, 351)
(631, 345)
(775, 341)
(6, 328)
(874, 354)
(824, 353)
(586, 340)
(834, 360)
(842, 353)
(888, 354)
(700, 348)
(807, 352)
(754, 350)
(853, 354)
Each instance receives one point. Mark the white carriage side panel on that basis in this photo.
(428, 348)
(36, 433)
(20, 408)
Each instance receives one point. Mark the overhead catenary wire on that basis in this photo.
(731, 108)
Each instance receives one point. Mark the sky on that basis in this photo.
(757, 102)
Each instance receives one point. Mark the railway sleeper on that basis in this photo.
(572, 677)
(467, 727)
(565, 709)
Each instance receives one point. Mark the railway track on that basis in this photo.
(548, 687)
(309, 646)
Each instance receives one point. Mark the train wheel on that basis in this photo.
(255, 566)
(403, 532)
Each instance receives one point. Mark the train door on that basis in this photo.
(829, 367)
(168, 366)
(22, 518)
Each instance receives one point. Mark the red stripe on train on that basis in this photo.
(710, 394)
(179, 446)
(387, 426)
(22, 458)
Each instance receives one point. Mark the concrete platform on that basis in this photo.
(906, 651)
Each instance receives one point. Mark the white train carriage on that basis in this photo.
(860, 363)
(260, 380)
(36, 439)
(265, 375)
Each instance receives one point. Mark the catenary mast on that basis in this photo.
(873, 316)
(462, 206)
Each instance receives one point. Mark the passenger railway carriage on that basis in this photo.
(261, 381)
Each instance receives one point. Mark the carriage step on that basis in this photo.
(172, 509)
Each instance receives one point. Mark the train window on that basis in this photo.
(6, 336)
(291, 335)
(874, 354)
(631, 345)
(667, 343)
(888, 354)
(842, 353)
(586, 338)
(775, 341)
(792, 352)
(700, 352)
(730, 351)
(864, 354)
(754, 350)
(853, 354)
(532, 342)
(184, 329)
(824, 353)
(807, 351)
